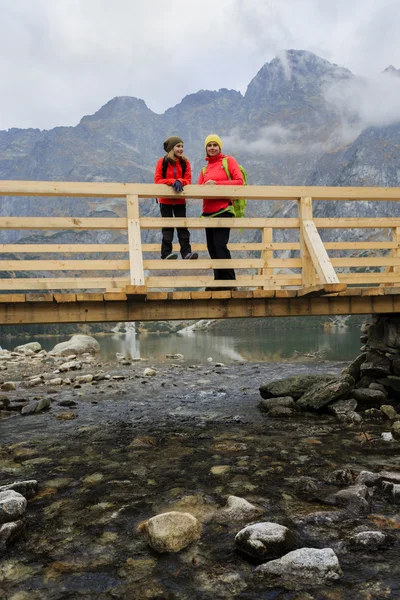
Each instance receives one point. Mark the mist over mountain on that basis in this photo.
(302, 120)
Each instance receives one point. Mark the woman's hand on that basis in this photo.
(210, 182)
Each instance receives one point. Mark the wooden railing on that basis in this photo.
(36, 266)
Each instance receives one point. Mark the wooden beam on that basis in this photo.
(321, 290)
(59, 223)
(118, 309)
(61, 283)
(319, 255)
(308, 272)
(145, 190)
(64, 265)
(356, 223)
(61, 248)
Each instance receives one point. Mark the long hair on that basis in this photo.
(170, 156)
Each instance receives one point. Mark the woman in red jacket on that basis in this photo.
(174, 170)
(214, 174)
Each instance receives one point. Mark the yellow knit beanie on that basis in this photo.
(213, 138)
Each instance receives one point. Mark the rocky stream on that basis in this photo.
(172, 481)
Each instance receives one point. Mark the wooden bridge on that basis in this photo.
(54, 282)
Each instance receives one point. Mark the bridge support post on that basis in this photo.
(308, 273)
(395, 253)
(134, 241)
(267, 254)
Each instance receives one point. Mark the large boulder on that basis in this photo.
(376, 365)
(369, 398)
(172, 531)
(34, 346)
(320, 395)
(354, 368)
(265, 540)
(309, 566)
(294, 386)
(78, 344)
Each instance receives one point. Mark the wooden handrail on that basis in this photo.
(151, 190)
(308, 266)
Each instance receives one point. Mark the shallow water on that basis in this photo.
(268, 345)
(146, 445)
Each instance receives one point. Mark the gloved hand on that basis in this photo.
(178, 187)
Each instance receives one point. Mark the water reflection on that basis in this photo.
(268, 345)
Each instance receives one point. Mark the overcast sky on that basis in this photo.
(63, 59)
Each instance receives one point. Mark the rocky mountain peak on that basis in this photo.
(116, 107)
(203, 98)
(391, 70)
(294, 71)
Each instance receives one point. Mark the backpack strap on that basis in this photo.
(165, 167)
(226, 167)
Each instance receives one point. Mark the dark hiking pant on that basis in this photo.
(217, 244)
(174, 210)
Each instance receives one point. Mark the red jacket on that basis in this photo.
(216, 171)
(174, 172)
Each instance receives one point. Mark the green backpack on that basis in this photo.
(239, 204)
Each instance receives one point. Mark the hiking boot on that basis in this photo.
(172, 256)
(191, 256)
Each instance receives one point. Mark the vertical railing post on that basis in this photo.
(308, 273)
(134, 241)
(395, 253)
(266, 253)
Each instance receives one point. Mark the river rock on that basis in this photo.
(320, 395)
(12, 506)
(280, 411)
(172, 531)
(378, 386)
(368, 478)
(8, 386)
(148, 372)
(342, 407)
(83, 378)
(9, 532)
(353, 498)
(392, 381)
(265, 540)
(78, 344)
(36, 407)
(376, 365)
(389, 411)
(392, 476)
(55, 381)
(294, 386)
(27, 488)
(34, 346)
(72, 365)
(310, 566)
(368, 398)
(266, 405)
(237, 509)
(33, 382)
(368, 540)
(396, 429)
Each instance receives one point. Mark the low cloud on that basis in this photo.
(272, 139)
(363, 103)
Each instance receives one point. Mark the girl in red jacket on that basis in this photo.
(174, 170)
(214, 174)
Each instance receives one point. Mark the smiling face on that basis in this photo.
(213, 149)
(178, 150)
